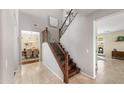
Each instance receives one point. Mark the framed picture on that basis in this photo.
(53, 22)
(120, 38)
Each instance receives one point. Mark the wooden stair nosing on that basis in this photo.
(74, 72)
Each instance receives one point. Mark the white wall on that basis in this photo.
(26, 22)
(0, 51)
(50, 61)
(80, 40)
(40, 17)
(9, 44)
(76, 40)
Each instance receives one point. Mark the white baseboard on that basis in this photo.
(89, 76)
(53, 72)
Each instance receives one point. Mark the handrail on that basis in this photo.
(54, 53)
(66, 19)
(61, 48)
(66, 73)
(61, 31)
(45, 35)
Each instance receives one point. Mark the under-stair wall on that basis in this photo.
(50, 61)
(0, 51)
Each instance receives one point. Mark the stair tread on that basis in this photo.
(72, 66)
(74, 72)
(70, 63)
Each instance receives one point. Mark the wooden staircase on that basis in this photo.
(64, 60)
(66, 63)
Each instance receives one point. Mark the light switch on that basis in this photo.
(87, 51)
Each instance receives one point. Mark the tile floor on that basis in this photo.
(36, 73)
(110, 71)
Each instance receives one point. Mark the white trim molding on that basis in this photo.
(53, 72)
(89, 76)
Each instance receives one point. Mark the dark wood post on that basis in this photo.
(59, 34)
(45, 35)
(46, 28)
(46, 32)
(66, 68)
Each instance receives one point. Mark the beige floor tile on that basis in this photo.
(110, 71)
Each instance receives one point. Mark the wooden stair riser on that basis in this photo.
(72, 73)
(71, 66)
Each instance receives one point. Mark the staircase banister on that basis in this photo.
(66, 63)
(72, 14)
(61, 49)
(66, 19)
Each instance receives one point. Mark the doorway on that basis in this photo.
(30, 47)
(109, 61)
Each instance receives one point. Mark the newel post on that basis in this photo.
(66, 68)
(46, 32)
(59, 34)
(45, 35)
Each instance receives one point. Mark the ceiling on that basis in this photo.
(41, 13)
(108, 24)
(87, 11)
(38, 18)
(111, 23)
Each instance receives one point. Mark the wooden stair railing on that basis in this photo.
(45, 35)
(60, 30)
(71, 15)
(61, 48)
(66, 73)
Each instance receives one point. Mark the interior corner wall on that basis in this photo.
(50, 61)
(0, 51)
(9, 45)
(77, 40)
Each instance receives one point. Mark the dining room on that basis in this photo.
(30, 47)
